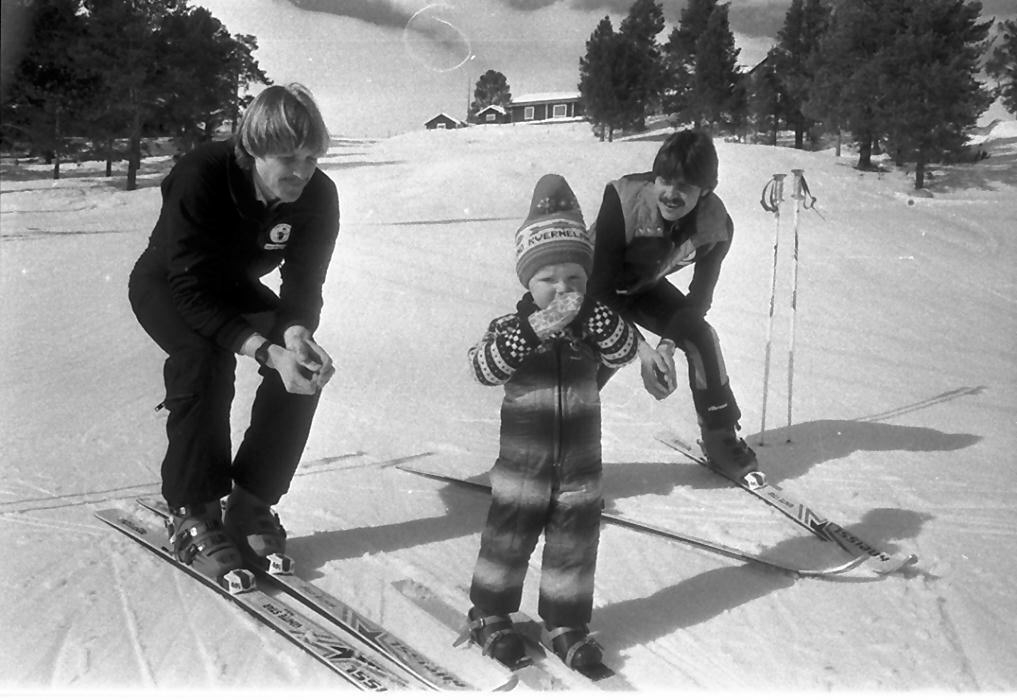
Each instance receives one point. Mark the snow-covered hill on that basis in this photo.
(905, 400)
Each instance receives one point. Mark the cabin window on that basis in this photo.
(559, 111)
(528, 113)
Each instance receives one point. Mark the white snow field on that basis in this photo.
(903, 428)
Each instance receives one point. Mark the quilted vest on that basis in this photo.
(709, 224)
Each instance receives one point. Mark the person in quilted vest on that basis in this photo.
(649, 226)
(547, 478)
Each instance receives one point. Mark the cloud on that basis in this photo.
(616, 6)
(428, 22)
(755, 18)
(529, 5)
(381, 12)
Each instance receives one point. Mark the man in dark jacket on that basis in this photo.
(232, 212)
(649, 226)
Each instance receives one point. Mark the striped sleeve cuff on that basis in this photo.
(501, 351)
(614, 336)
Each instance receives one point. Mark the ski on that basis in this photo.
(344, 658)
(534, 671)
(716, 547)
(878, 560)
(278, 572)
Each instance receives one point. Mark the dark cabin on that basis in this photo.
(492, 114)
(442, 121)
(546, 106)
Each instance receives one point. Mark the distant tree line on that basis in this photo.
(898, 74)
(120, 70)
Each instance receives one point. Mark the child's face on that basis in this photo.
(552, 280)
(675, 197)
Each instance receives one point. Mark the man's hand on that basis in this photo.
(294, 375)
(657, 369)
(313, 363)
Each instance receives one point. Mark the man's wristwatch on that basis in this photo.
(261, 354)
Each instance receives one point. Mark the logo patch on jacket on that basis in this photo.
(278, 237)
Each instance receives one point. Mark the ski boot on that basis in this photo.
(496, 636)
(728, 453)
(573, 645)
(253, 526)
(198, 540)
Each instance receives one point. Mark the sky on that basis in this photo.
(381, 67)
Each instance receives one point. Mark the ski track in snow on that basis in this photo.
(898, 434)
(133, 635)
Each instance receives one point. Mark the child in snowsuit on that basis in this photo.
(547, 477)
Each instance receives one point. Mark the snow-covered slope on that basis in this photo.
(905, 399)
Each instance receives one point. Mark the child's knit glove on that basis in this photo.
(562, 310)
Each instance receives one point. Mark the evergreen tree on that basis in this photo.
(680, 58)
(201, 74)
(846, 68)
(597, 79)
(928, 92)
(243, 71)
(492, 88)
(701, 59)
(641, 59)
(49, 85)
(1002, 64)
(715, 83)
(128, 58)
(797, 43)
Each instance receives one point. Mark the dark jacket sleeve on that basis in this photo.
(609, 250)
(308, 257)
(196, 234)
(706, 272)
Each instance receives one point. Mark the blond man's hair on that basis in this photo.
(280, 120)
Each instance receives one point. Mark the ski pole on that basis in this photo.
(773, 195)
(798, 196)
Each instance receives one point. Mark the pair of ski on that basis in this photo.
(876, 560)
(365, 654)
(540, 669)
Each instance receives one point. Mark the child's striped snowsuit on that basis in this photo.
(548, 474)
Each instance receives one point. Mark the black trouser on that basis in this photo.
(665, 311)
(199, 375)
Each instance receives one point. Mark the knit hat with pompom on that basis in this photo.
(554, 231)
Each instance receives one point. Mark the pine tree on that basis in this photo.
(1002, 64)
(701, 59)
(797, 43)
(48, 86)
(716, 78)
(846, 68)
(492, 88)
(597, 79)
(680, 58)
(642, 62)
(929, 94)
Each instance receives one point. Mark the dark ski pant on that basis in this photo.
(665, 311)
(199, 466)
(525, 501)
